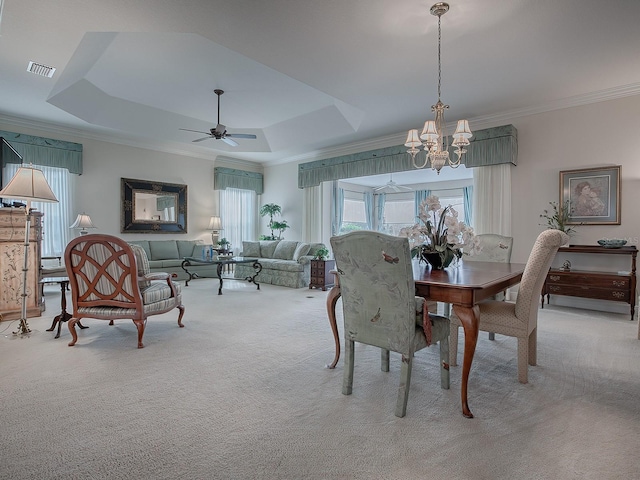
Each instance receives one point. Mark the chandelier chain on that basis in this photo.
(439, 63)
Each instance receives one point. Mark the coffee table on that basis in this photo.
(221, 263)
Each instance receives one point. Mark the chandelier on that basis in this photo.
(436, 142)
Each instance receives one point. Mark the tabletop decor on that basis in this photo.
(440, 237)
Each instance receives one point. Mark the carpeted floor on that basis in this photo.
(242, 392)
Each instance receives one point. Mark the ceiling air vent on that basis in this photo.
(40, 69)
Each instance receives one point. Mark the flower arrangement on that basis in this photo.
(440, 233)
(558, 217)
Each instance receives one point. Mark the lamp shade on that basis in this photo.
(215, 223)
(29, 184)
(83, 221)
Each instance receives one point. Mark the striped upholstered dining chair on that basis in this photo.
(110, 280)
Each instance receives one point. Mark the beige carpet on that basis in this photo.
(242, 392)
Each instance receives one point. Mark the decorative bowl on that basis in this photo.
(612, 242)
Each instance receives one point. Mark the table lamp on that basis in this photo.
(83, 221)
(27, 184)
(215, 225)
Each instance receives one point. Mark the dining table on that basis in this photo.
(463, 285)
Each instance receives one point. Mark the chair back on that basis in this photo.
(535, 272)
(377, 288)
(102, 272)
(491, 248)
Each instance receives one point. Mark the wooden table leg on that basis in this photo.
(332, 298)
(469, 317)
(64, 315)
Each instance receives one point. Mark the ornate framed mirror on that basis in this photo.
(152, 207)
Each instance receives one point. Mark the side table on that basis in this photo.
(64, 315)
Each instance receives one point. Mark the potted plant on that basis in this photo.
(272, 209)
(321, 254)
(224, 245)
(280, 227)
(558, 217)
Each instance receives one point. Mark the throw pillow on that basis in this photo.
(251, 249)
(163, 250)
(267, 248)
(285, 250)
(301, 251)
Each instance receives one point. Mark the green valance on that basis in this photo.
(224, 178)
(165, 202)
(46, 152)
(491, 146)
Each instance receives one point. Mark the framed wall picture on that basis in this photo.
(594, 195)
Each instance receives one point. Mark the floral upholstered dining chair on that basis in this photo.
(380, 307)
(110, 280)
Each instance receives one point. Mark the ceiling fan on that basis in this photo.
(391, 185)
(220, 132)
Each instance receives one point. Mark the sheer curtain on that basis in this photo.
(381, 200)
(238, 212)
(312, 218)
(57, 216)
(492, 199)
(420, 196)
(368, 209)
(467, 198)
(337, 208)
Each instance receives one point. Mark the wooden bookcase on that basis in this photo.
(616, 287)
(320, 276)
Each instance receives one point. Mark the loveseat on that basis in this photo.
(167, 256)
(284, 262)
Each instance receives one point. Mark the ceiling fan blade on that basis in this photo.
(228, 141)
(201, 139)
(241, 135)
(197, 131)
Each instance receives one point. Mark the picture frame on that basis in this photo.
(152, 207)
(593, 195)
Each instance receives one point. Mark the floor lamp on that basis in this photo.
(27, 184)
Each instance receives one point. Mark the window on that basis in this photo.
(397, 214)
(57, 216)
(238, 213)
(353, 216)
(399, 211)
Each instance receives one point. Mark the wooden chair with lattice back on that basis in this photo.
(110, 280)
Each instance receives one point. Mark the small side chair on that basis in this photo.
(491, 248)
(380, 307)
(520, 319)
(110, 280)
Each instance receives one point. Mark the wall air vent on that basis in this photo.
(40, 69)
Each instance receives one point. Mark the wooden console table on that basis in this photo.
(616, 287)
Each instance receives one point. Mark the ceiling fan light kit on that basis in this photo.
(433, 137)
(220, 130)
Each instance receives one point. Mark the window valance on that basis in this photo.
(47, 152)
(224, 178)
(491, 146)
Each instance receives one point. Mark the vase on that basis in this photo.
(435, 260)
